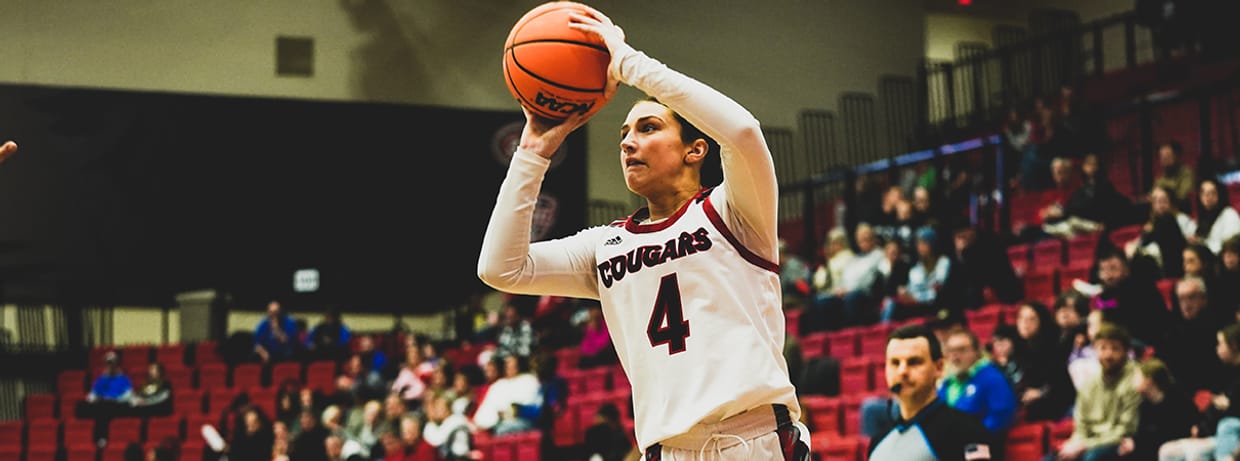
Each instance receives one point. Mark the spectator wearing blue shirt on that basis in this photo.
(976, 386)
(329, 339)
(109, 395)
(275, 339)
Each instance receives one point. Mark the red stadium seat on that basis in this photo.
(181, 377)
(171, 355)
(188, 402)
(842, 343)
(11, 439)
(160, 427)
(1047, 253)
(846, 448)
(43, 431)
(321, 375)
(40, 405)
(873, 339)
(78, 430)
(824, 414)
(284, 371)
(1026, 442)
(855, 375)
(1019, 256)
(219, 398)
(81, 451)
(124, 430)
(71, 380)
(247, 375)
(814, 345)
(212, 375)
(207, 351)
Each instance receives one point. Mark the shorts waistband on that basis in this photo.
(746, 426)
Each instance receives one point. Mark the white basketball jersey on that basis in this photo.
(696, 319)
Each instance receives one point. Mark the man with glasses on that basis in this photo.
(976, 385)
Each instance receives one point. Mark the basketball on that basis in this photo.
(551, 69)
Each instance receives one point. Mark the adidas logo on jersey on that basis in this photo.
(612, 241)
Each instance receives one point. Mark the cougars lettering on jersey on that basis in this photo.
(677, 295)
(613, 269)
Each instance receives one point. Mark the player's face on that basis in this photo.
(651, 151)
(909, 364)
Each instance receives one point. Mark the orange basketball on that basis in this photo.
(551, 69)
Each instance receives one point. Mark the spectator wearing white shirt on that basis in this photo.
(852, 300)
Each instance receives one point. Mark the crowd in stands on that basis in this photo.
(1134, 353)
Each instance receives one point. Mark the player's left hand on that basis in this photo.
(7, 150)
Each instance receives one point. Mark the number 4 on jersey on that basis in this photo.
(667, 322)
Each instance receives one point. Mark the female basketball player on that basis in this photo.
(689, 284)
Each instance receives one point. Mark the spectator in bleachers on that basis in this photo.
(465, 387)
(1166, 413)
(1018, 140)
(606, 438)
(892, 196)
(417, 448)
(793, 275)
(395, 408)
(440, 381)
(111, 392)
(1106, 409)
(900, 230)
(917, 296)
(1009, 355)
(892, 271)
(1046, 392)
(1096, 201)
(1163, 236)
(254, 438)
(1052, 217)
(1199, 261)
(288, 401)
(492, 371)
(1070, 309)
(408, 385)
(1228, 294)
(307, 442)
(154, 396)
(852, 300)
(596, 348)
(1217, 434)
(1131, 296)
(375, 357)
(357, 382)
(516, 335)
(1176, 176)
(978, 262)
(363, 424)
(552, 399)
(276, 337)
(926, 209)
(838, 254)
(1189, 342)
(497, 410)
(328, 339)
(1215, 219)
(448, 428)
(976, 386)
(332, 419)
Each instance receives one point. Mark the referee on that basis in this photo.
(927, 429)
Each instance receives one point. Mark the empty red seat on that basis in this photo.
(212, 375)
(71, 380)
(814, 345)
(181, 377)
(247, 375)
(285, 371)
(171, 355)
(855, 375)
(842, 343)
(188, 402)
(124, 430)
(11, 435)
(824, 414)
(1026, 442)
(40, 405)
(160, 427)
(321, 375)
(1047, 253)
(207, 351)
